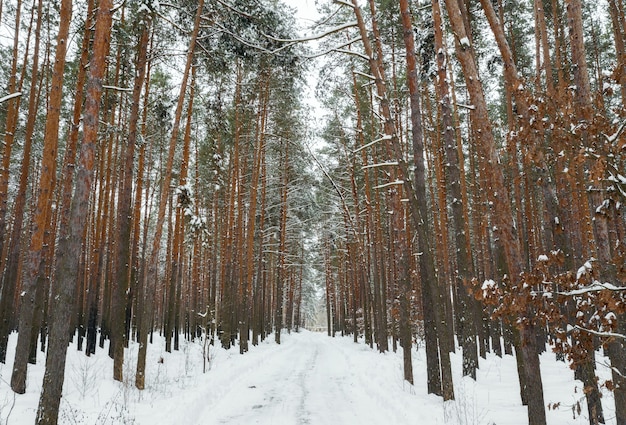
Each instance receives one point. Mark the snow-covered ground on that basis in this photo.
(308, 379)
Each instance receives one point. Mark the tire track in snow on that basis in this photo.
(270, 391)
(310, 379)
(303, 413)
(346, 393)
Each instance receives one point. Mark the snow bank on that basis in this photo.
(309, 379)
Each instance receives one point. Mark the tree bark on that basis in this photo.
(9, 132)
(434, 321)
(498, 195)
(259, 152)
(150, 277)
(42, 213)
(467, 332)
(619, 37)
(584, 115)
(69, 252)
(281, 266)
(125, 218)
(10, 276)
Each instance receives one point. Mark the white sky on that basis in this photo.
(306, 14)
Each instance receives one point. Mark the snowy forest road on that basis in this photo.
(312, 381)
(309, 379)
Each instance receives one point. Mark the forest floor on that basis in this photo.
(309, 379)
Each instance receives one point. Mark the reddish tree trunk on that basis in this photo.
(10, 277)
(124, 220)
(70, 243)
(42, 212)
(150, 277)
(497, 194)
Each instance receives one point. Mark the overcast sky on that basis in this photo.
(307, 12)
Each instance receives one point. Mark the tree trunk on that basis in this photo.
(584, 114)
(71, 239)
(9, 132)
(42, 212)
(498, 195)
(617, 354)
(151, 275)
(418, 209)
(281, 274)
(69, 160)
(10, 276)
(259, 152)
(184, 207)
(124, 218)
(467, 332)
(619, 36)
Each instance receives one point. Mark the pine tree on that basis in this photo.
(71, 238)
(32, 289)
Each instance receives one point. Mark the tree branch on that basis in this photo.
(595, 287)
(600, 334)
(334, 49)
(314, 36)
(10, 96)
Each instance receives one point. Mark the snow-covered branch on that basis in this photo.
(600, 334)
(10, 96)
(327, 18)
(350, 52)
(126, 89)
(241, 40)
(617, 133)
(172, 23)
(344, 3)
(363, 74)
(237, 11)
(385, 137)
(334, 49)
(380, 164)
(618, 180)
(393, 183)
(288, 42)
(344, 203)
(594, 287)
(314, 36)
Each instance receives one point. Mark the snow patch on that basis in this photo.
(488, 284)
